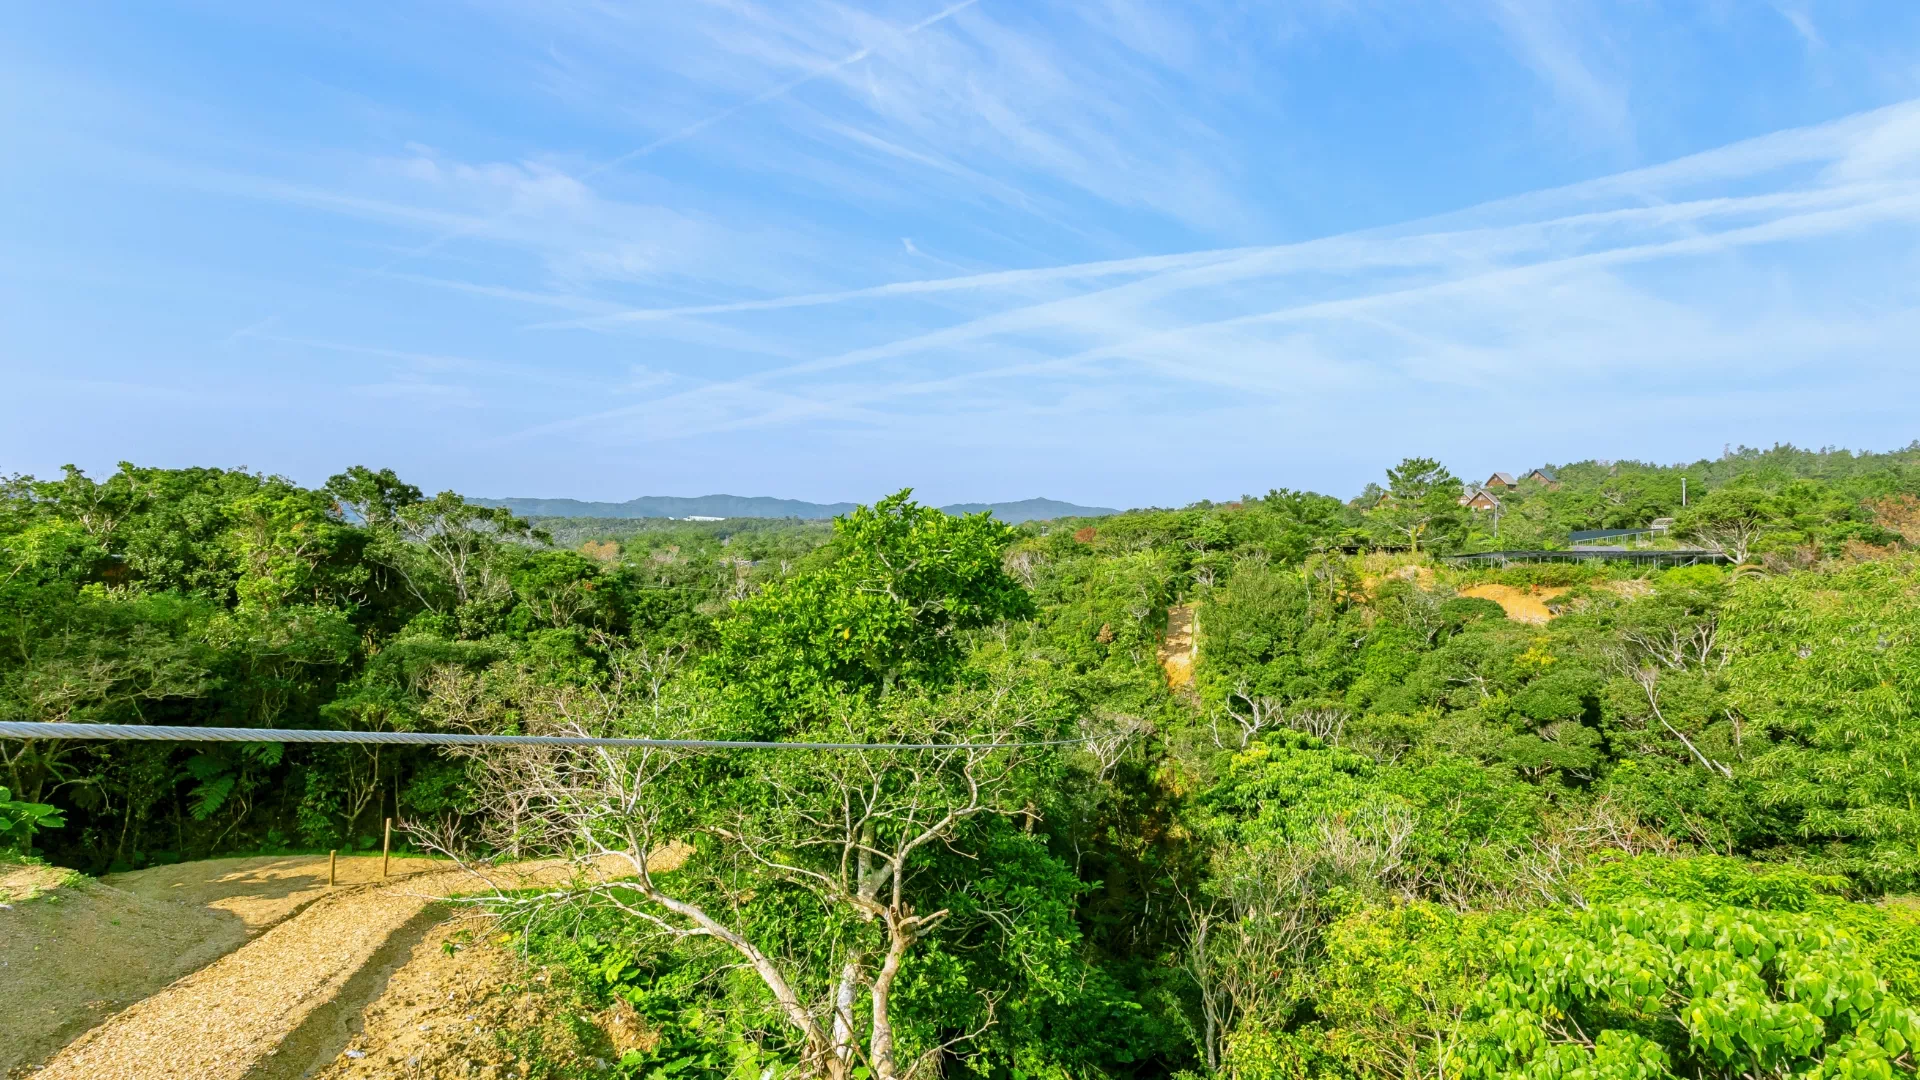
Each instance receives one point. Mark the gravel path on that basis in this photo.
(229, 1018)
(73, 956)
(290, 1000)
(260, 890)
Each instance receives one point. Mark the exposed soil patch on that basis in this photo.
(262, 890)
(254, 969)
(225, 1019)
(80, 952)
(1178, 650)
(325, 1031)
(444, 1011)
(1527, 605)
(24, 881)
(1530, 604)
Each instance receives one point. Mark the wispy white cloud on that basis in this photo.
(1406, 248)
(1618, 276)
(572, 235)
(966, 94)
(1562, 56)
(1798, 17)
(831, 234)
(778, 91)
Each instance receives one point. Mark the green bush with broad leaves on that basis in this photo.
(1660, 822)
(20, 820)
(1650, 987)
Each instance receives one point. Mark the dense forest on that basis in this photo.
(1265, 788)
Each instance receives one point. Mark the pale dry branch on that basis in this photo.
(847, 829)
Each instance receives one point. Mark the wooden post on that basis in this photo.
(333, 859)
(386, 848)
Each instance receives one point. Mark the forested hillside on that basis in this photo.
(713, 507)
(1381, 816)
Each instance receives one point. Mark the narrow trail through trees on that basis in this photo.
(229, 1019)
(288, 1002)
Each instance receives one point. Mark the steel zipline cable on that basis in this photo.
(159, 733)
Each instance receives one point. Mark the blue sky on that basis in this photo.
(1116, 252)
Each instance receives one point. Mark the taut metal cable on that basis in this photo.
(10, 729)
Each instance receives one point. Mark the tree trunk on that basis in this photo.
(126, 826)
(880, 1046)
(843, 1014)
(819, 1045)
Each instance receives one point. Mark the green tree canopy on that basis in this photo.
(901, 584)
(1421, 504)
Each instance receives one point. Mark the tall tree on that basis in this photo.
(903, 583)
(827, 875)
(1731, 519)
(1422, 501)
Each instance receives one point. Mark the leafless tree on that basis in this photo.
(1736, 539)
(1255, 713)
(1256, 929)
(1682, 646)
(1109, 735)
(1648, 678)
(1024, 565)
(1365, 845)
(1552, 867)
(1324, 722)
(852, 829)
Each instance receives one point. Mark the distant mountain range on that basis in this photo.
(740, 506)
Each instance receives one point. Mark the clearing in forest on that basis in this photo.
(1178, 649)
(255, 968)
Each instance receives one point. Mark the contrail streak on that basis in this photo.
(638, 152)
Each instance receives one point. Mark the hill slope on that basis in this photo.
(738, 506)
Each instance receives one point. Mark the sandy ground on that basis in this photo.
(225, 1019)
(75, 954)
(314, 969)
(80, 951)
(24, 881)
(441, 1014)
(437, 1015)
(1528, 605)
(262, 890)
(441, 1010)
(1177, 650)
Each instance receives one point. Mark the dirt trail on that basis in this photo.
(74, 952)
(288, 1001)
(225, 1018)
(259, 891)
(74, 956)
(1178, 650)
(441, 1014)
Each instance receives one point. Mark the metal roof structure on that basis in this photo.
(1581, 536)
(1643, 556)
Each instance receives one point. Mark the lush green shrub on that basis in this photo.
(1647, 987)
